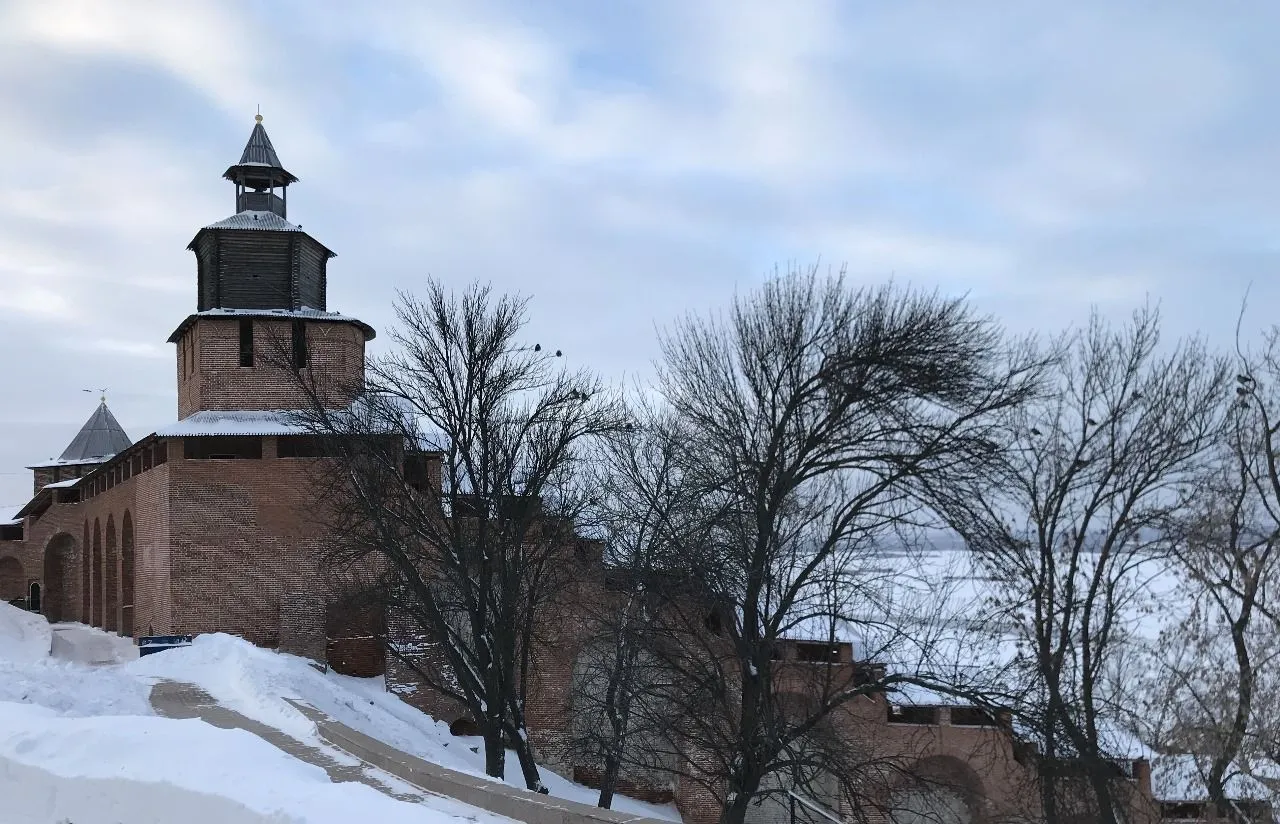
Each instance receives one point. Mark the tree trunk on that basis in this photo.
(528, 767)
(1230, 750)
(1049, 782)
(735, 812)
(495, 752)
(608, 781)
(1103, 796)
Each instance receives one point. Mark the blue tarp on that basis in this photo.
(148, 644)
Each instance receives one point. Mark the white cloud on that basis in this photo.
(202, 42)
(626, 162)
(40, 302)
(126, 348)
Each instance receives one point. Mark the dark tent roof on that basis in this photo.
(100, 437)
(259, 164)
(259, 149)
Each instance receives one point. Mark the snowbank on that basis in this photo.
(36, 796)
(72, 689)
(28, 675)
(24, 636)
(141, 769)
(87, 645)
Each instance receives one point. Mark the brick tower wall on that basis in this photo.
(210, 375)
(246, 549)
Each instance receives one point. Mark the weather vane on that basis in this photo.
(102, 392)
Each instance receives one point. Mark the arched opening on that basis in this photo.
(13, 579)
(33, 599)
(802, 791)
(942, 790)
(463, 726)
(97, 588)
(86, 585)
(56, 595)
(929, 805)
(111, 580)
(126, 575)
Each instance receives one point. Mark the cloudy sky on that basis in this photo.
(623, 162)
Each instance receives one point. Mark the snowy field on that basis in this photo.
(930, 613)
(79, 740)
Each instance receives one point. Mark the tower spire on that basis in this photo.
(256, 259)
(99, 438)
(259, 174)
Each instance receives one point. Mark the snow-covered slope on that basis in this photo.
(134, 765)
(84, 735)
(255, 682)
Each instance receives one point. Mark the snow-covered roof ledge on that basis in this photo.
(304, 313)
(209, 423)
(80, 462)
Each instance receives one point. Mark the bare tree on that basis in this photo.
(640, 499)
(459, 483)
(1215, 683)
(1070, 520)
(807, 423)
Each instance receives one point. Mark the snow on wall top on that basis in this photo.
(80, 462)
(236, 422)
(250, 219)
(305, 313)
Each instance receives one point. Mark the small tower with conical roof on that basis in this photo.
(101, 437)
(257, 259)
(261, 301)
(259, 174)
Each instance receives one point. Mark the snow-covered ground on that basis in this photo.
(930, 612)
(80, 741)
(143, 768)
(253, 681)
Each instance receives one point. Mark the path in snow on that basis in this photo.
(257, 684)
(496, 797)
(380, 766)
(85, 714)
(177, 700)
